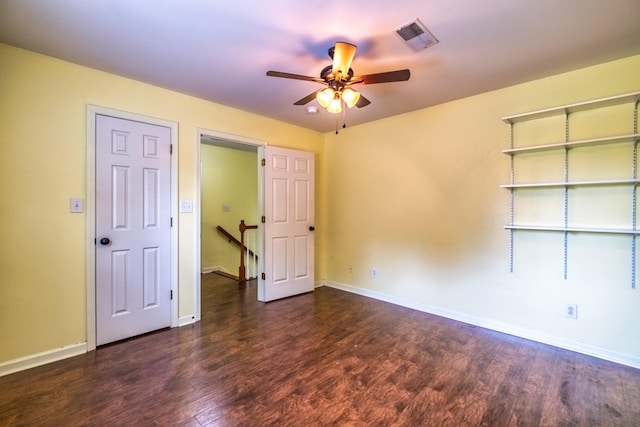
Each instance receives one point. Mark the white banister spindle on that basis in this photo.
(251, 254)
(248, 255)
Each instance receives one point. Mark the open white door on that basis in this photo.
(133, 228)
(288, 225)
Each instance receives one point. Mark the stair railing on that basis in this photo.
(247, 256)
(248, 250)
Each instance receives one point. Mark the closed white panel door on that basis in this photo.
(133, 228)
(289, 216)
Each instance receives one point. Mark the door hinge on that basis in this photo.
(263, 219)
(170, 148)
(264, 276)
(171, 294)
(264, 162)
(171, 222)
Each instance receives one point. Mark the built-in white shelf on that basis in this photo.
(632, 97)
(633, 138)
(574, 183)
(573, 229)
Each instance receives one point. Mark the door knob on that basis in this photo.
(105, 241)
(311, 228)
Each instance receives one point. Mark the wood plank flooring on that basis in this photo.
(324, 358)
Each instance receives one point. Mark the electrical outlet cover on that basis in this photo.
(571, 311)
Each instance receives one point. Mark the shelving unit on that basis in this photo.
(565, 146)
(573, 183)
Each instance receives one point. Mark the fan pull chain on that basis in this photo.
(344, 117)
(344, 114)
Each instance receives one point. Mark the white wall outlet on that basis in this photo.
(571, 311)
(374, 273)
(186, 206)
(76, 205)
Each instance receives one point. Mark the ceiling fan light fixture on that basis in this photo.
(343, 54)
(325, 96)
(339, 76)
(335, 106)
(350, 97)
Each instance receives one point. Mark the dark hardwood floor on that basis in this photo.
(324, 358)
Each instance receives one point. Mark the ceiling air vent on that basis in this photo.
(416, 35)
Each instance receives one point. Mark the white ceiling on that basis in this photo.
(220, 50)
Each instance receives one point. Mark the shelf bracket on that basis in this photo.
(511, 197)
(566, 194)
(634, 189)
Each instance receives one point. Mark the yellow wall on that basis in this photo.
(43, 110)
(229, 178)
(418, 197)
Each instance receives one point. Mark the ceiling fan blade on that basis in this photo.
(362, 102)
(294, 76)
(343, 54)
(387, 77)
(307, 98)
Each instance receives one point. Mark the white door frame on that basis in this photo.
(92, 112)
(233, 139)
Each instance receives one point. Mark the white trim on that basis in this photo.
(207, 270)
(261, 227)
(186, 320)
(233, 139)
(39, 359)
(229, 137)
(92, 111)
(601, 353)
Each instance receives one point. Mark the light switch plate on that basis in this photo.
(186, 206)
(76, 205)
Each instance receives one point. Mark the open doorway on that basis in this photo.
(229, 192)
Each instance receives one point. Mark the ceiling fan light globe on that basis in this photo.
(335, 106)
(350, 97)
(325, 96)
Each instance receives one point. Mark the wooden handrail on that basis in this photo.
(242, 274)
(234, 240)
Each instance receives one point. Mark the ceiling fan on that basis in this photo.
(339, 77)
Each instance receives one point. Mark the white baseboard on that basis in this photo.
(207, 270)
(45, 357)
(38, 359)
(186, 320)
(601, 353)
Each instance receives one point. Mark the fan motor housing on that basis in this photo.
(326, 74)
